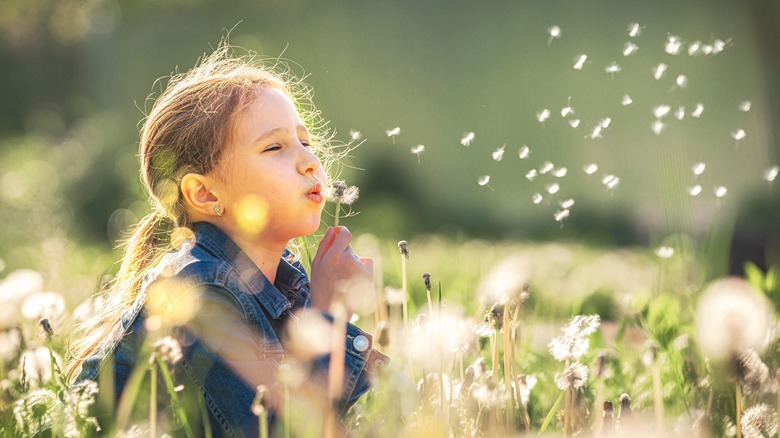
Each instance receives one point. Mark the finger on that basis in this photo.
(325, 244)
(368, 263)
(342, 239)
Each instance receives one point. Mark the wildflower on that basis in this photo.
(634, 30)
(573, 377)
(498, 155)
(580, 61)
(694, 190)
(759, 421)
(590, 169)
(483, 180)
(697, 112)
(467, 139)
(771, 173)
(612, 68)
(731, 316)
(720, 191)
(659, 70)
(341, 193)
(664, 252)
(574, 123)
(555, 32)
(560, 215)
(418, 150)
(169, 349)
(531, 175)
(553, 188)
(543, 115)
(744, 106)
(698, 168)
(626, 100)
(739, 134)
(629, 49)
(536, 198)
(752, 373)
(524, 152)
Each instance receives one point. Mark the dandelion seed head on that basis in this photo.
(566, 203)
(490, 397)
(679, 113)
(543, 115)
(553, 188)
(483, 180)
(661, 111)
(536, 198)
(40, 305)
(169, 349)
(664, 252)
(560, 172)
(546, 167)
(560, 215)
(582, 325)
(467, 139)
(752, 373)
(657, 127)
(394, 296)
(393, 132)
(634, 30)
(526, 384)
(682, 81)
(590, 169)
(612, 68)
(771, 173)
(10, 343)
(626, 100)
(524, 152)
(745, 105)
(732, 316)
(694, 190)
(697, 112)
(498, 154)
(565, 347)
(629, 49)
(531, 175)
(759, 421)
(698, 168)
(574, 123)
(341, 193)
(579, 61)
(739, 134)
(355, 135)
(573, 377)
(659, 71)
(720, 191)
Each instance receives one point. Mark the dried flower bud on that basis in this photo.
(427, 280)
(403, 247)
(383, 334)
(260, 403)
(44, 323)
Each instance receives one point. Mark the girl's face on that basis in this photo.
(270, 183)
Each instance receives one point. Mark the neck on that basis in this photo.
(265, 255)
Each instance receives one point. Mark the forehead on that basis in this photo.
(270, 109)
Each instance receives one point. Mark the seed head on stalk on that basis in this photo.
(341, 193)
(403, 248)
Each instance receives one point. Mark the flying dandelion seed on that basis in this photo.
(498, 155)
(536, 198)
(634, 30)
(695, 190)
(393, 132)
(553, 188)
(590, 169)
(698, 168)
(524, 152)
(706, 49)
(561, 215)
(718, 46)
(657, 127)
(546, 167)
(566, 203)
(720, 191)
(605, 122)
(574, 123)
(467, 139)
(629, 49)
(555, 33)
(661, 111)
(610, 181)
(567, 111)
(679, 114)
(682, 81)
(744, 106)
(483, 180)
(673, 45)
(418, 150)
(355, 135)
(612, 68)
(771, 173)
(560, 172)
(697, 112)
(531, 175)
(580, 61)
(694, 48)
(739, 134)
(664, 252)
(626, 101)
(659, 70)
(596, 132)
(543, 115)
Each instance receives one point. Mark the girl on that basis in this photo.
(233, 175)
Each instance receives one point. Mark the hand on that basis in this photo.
(338, 274)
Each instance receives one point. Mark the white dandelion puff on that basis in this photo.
(573, 377)
(745, 105)
(574, 123)
(657, 127)
(555, 33)
(590, 169)
(673, 45)
(498, 154)
(418, 150)
(610, 181)
(759, 421)
(536, 198)
(697, 112)
(546, 167)
(483, 180)
(661, 111)
(664, 252)
(566, 203)
(626, 100)
(531, 175)
(355, 135)
(629, 49)
(543, 115)
(467, 139)
(739, 134)
(560, 172)
(341, 193)
(579, 61)
(634, 30)
(682, 81)
(612, 68)
(560, 215)
(720, 191)
(553, 188)
(771, 173)
(524, 152)
(698, 168)
(659, 70)
(694, 190)
(679, 114)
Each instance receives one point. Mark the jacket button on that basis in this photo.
(360, 343)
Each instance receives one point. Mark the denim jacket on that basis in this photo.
(238, 329)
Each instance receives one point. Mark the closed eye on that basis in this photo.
(273, 147)
(306, 143)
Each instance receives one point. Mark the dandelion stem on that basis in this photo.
(177, 408)
(263, 425)
(658, 400)
(336, 214)
(507, 366)
(494, 341)
(739, 410)
(406, 294)
(153, 400)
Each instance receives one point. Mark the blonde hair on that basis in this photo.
(185, 132)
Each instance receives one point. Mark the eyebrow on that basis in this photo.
(274, 131)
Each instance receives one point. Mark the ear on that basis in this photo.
(199, 193)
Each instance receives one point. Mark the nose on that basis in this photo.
(308, 162)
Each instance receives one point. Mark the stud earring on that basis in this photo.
(218, 210)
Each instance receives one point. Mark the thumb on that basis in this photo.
(368, 264)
